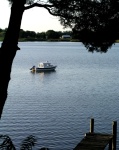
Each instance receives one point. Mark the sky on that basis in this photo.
(35, 19)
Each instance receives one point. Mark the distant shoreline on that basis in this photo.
(49, 40)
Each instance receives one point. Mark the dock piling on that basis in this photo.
(91, 125)
(114, 133)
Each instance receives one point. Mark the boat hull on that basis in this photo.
(45, 69)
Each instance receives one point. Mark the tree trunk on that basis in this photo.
(8, 49)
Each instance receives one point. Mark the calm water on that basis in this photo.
(56, 107)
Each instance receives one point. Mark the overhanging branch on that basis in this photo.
(46, 6)
(38, 5)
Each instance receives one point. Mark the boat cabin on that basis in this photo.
(44, 65)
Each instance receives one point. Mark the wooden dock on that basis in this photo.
(98, 141)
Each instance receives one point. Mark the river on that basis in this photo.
(56, 107)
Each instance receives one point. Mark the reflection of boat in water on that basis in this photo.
(43, 66)
(43, 75)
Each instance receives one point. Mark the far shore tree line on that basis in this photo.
(49, 35)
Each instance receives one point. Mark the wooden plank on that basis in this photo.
(94, 141)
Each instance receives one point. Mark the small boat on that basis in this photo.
(43, 66)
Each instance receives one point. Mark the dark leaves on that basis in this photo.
(96, 22)
(28, 143)
(6, 143)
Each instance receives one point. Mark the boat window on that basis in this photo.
(41, 65)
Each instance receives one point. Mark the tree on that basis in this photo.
(84, 16)
(41, 36)
(51, 34)
(94, 21)
(1, 30)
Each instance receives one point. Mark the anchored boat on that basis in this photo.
(44, 66)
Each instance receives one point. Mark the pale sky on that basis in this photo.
(35, 19)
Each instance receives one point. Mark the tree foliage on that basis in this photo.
(28, 143)
(6, 143)
(95, 21)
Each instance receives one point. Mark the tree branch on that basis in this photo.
(38, 5)
(46, 6)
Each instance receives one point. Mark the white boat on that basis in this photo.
(44, 66)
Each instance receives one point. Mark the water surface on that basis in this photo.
(56, 107)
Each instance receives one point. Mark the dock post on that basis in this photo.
(91, 125)
(114, 132)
